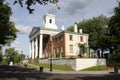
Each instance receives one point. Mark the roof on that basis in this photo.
(49, 29)
(34, 30)
(69, 32)
(77, 33)
(37, 29)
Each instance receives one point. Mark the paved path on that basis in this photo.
(19, 73)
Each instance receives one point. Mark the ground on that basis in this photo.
(19, 73)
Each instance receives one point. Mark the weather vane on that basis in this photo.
(51, 11)
(118, 2)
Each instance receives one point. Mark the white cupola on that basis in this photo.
(49, 21)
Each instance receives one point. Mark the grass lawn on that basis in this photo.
(96, 68)
(67, 68)
(32, 67)
(57, 67)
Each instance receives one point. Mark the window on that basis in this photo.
(54, 53)
(70, 37)
(50, 21)
(62, 38)
(62, 49)
(57, 49)
(71, 48)
(81, 38)
(57, 39)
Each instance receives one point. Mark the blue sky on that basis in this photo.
(71, 11)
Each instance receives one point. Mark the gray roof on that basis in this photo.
(37, 29)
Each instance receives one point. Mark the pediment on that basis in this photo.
(34, 30)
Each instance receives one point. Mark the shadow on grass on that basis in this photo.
(18, 73)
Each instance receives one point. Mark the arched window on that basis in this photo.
(50, 21)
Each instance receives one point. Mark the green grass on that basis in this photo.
(23, 65)
(57, 67)
(32, 67)
(96, 68)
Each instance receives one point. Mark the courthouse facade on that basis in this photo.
(48, 41)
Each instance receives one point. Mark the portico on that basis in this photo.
(39, 42)
(36, 45)
(39, 37)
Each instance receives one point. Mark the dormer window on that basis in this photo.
(50, 20)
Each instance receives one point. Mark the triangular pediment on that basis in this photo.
(34, 30)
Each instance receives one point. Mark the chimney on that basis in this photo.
(80, 30)
(75, 28)
(63, 28)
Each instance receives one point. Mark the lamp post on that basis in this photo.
(21, 56)
(51, 56)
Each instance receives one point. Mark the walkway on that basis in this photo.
(19, 73)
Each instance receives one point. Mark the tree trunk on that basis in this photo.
(111, 51)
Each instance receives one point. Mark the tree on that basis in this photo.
(22, 56)
(31, 3)
(7, 28)
(97, 30)
(70, 29)
(12, 55)
(114, 31)
(82, 48)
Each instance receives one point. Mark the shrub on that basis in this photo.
(25, 65)
(58, 55)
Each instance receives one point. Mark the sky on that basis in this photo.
(71, 11)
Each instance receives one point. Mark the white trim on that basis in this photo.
(36, 47)
(41, 46)
(32, 49)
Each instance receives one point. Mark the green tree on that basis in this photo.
(97, 30)
(12, 55)
(7, 28)
(58, 55)
(83, 49)
(70, 29)
(30, 3)
(22, 56)
(114, 31)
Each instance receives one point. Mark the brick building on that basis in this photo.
(48, 41)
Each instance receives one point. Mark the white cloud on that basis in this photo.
(110, 11)
(63, 4)
(15, 45)
(77, 6)
(24, 29)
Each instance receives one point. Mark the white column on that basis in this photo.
(32, 49)
(41, 46)
(30, 44)
(36, 44)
